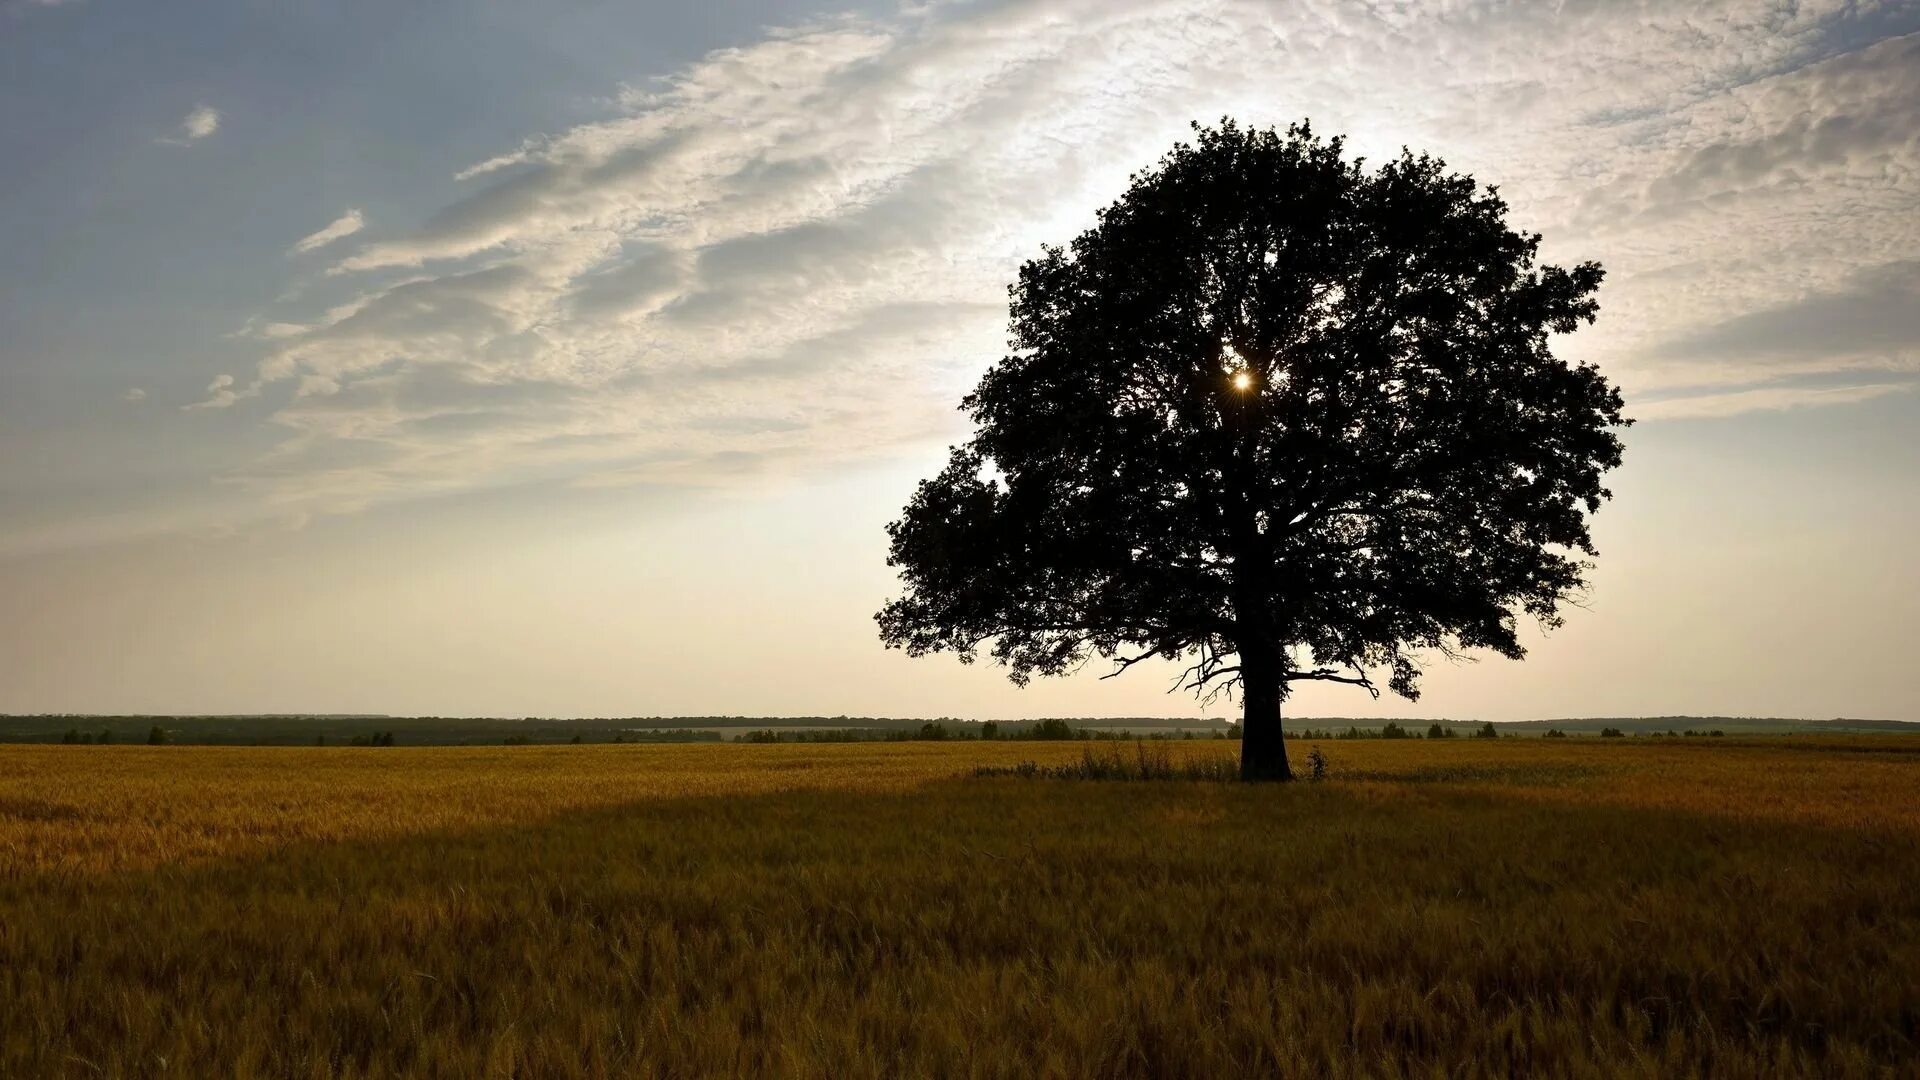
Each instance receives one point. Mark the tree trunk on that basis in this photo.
(1263, 748)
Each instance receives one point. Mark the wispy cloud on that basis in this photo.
(133, 393)
(202, 122)
(21, 7)
(339, 229)
(1765, 399)
(795, 251)
(220, 394)
(1869, 320)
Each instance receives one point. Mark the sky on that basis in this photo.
(569, 359)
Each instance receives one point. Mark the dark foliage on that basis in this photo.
(1279, 418)
(1051, 730)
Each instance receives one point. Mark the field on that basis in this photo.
(1586, 907)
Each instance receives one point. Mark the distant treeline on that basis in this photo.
(365, 730)
(1049, 730)
(1060, 731)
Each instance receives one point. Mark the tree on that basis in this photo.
(157, 736)
(1052, 729)
(1278, 418)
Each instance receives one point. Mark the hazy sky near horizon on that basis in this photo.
(497, 358)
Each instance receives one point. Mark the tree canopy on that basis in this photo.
(1276, 416)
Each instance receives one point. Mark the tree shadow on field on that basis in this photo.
(998, 928)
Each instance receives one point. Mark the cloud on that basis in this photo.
(794, 252)
(638, 284)
(1871, 321)
(1739, 202)
(220, 394)
(342, 227)
(1764, 399)
(1856, 112)
(203, 121)
(22, 7)
(133, 393)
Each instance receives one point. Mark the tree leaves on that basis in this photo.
(1274, 406)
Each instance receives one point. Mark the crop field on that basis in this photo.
(1580, 907)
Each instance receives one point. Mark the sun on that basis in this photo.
(1242, 381)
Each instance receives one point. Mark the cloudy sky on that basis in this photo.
(569, 358)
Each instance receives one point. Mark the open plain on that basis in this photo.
(1651, 907)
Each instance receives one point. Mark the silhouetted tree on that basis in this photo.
(1487, 731)
(1276, 417)
(1052, 730)
(157, 736)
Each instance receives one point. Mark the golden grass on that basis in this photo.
(1564, 907)
(66, 809)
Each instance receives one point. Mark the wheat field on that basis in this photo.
(1576, 907)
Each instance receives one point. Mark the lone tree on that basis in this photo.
(1278, 418)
